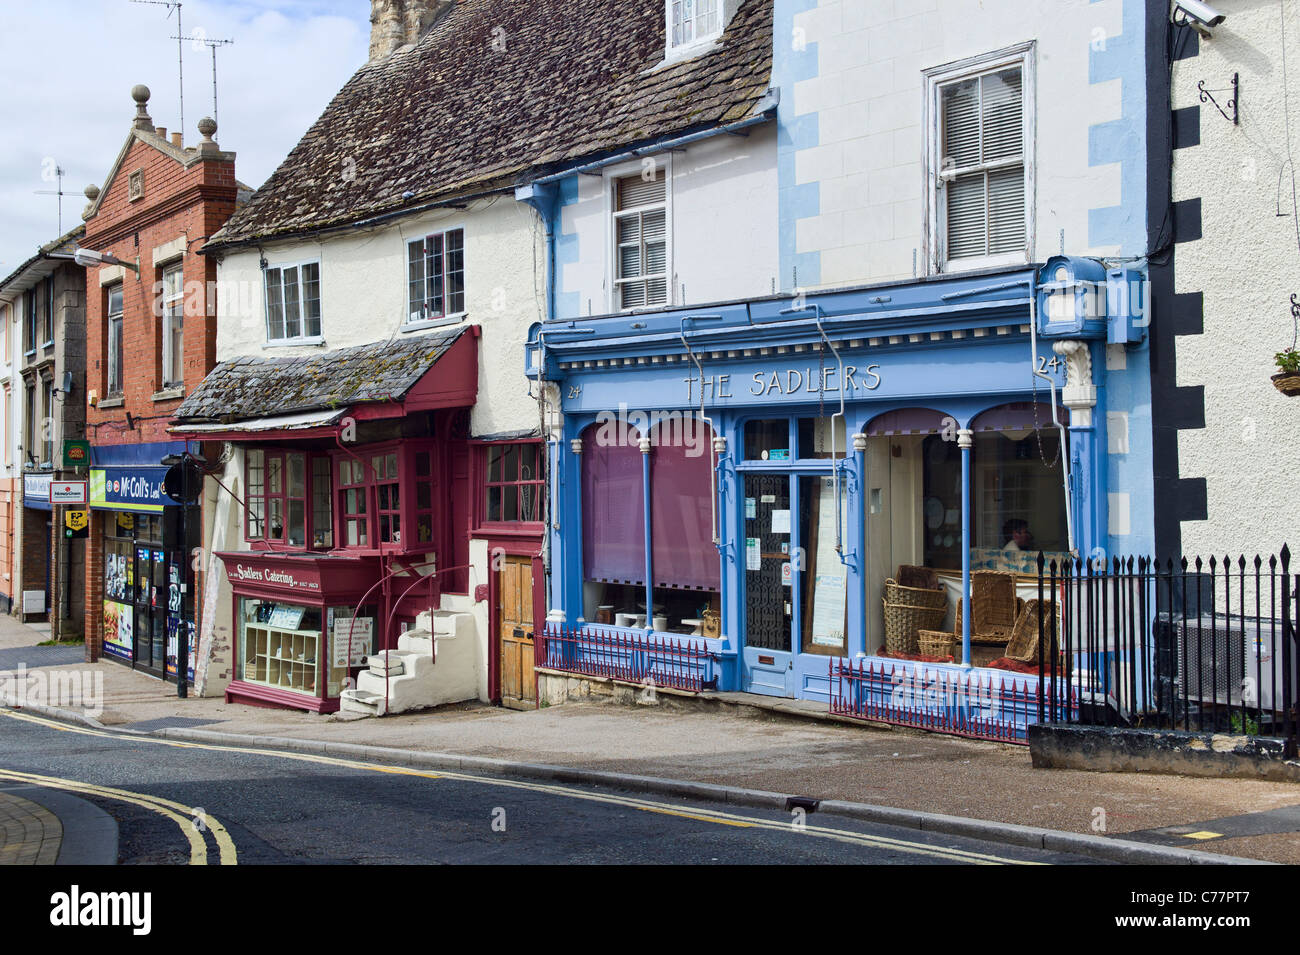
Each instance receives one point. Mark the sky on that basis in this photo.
(67, 68)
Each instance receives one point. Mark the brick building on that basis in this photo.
(150, 338)
(42, 375)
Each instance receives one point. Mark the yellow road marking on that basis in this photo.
(719, 817)
(198, 846)
(1204, 834)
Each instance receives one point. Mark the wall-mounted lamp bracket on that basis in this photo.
(1207, 96)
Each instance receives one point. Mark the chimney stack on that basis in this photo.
(178, 140)
(398, 23)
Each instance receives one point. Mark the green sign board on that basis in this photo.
(76, 453)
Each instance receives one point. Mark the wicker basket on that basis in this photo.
(902, 621)
(896, 593)
(935, 643)
(1287, 382)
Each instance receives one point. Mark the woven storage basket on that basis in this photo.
(902, 621)
(935, 643)
(993, 595)
(896, 593)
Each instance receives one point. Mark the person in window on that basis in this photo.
(1017, 531)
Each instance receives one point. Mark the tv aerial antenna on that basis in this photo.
(58, 191)
(198, 37)
(180, 48)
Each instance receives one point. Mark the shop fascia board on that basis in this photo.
(967, 317)
(912, 308)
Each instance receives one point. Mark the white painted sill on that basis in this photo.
(318, 340)
(454, 319)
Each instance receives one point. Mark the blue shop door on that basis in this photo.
(769, 592)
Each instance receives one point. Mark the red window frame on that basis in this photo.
(387, 492)
(505, 490)
(265, 502)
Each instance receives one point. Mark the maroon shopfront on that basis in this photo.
(348, 475)
(303, 624)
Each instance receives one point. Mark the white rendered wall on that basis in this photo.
(722, 217)
(1247, 265)
(868, 98)
(364, 296)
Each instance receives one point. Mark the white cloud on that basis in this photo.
(67, 68)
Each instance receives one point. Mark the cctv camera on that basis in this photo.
(1201, 14)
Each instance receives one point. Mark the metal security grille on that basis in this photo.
(768, 613)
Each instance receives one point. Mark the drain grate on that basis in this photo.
(170, 723)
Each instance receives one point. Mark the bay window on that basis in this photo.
(286, 498)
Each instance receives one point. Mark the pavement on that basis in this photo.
(735, 745)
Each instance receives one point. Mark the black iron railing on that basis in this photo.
(1200, 645)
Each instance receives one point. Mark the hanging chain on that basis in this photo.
(1038, 434)
(1295, 321)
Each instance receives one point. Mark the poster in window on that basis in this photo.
(118, 622)
(352, 639)
(829, 579)
(287, 617)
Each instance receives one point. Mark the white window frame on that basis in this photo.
(172, 367)
(612, 175)
(446, 318)
(1022, 56)
(697, 42)
(301, 339)
(112, 376)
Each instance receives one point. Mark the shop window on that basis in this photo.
(685, 563)
(173, 327)
(767, 439)
(279, 498)
(114, 361)
(513, 487)
(979, 140)
(816, 434)
(613, 526)
(436, 277)
(293, 303)
(641, 252)
(1018, 492)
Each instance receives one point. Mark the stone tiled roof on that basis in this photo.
(253, 387)
(456, 114)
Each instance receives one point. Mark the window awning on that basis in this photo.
(289, 422)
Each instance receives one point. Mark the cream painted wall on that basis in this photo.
(1247, 265)
(363, 296)
(722, 214)
(868, 99)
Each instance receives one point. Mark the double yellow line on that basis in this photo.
(718, 817)
(192, 822)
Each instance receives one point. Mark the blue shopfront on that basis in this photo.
(140, 540)
(751, 477)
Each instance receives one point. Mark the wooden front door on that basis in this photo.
(514, 613)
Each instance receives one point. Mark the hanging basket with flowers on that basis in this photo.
(1287, 379)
